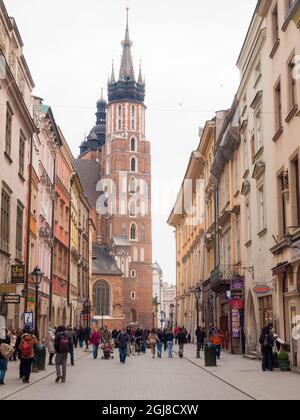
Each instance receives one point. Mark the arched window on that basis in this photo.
(133, 232)
(133, 317)
(133, 164)
(135, 254)
(133, 144)
(120, 117)
(132, 186)
(124, 230)
(133, 117)
(101, 298)
(142, 256)
(132, 209)
(143, 233)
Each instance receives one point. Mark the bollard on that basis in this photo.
(210, 356)
(41, 357)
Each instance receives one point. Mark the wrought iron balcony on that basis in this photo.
(221, 276)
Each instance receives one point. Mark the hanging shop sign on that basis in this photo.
(11, 299)
(237, 304)
(17, 274)
(7, 288)
(238, 283)
(262, 289)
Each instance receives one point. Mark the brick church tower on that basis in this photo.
(126, 160)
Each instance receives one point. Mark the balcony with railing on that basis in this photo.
(221, 277)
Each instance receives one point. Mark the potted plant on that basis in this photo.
(284, 361)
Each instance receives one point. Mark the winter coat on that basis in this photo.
(50, 342)
(200, 335)
(169, 337)
(71, 334)
(153, 338)
(123, 340)
(161, 337)
(57, 341)
(95, 338)
(181, 337)
(266, 340)
(80, 334)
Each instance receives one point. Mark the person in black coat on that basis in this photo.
(267, 341)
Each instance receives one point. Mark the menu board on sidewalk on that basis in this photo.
(235, 323)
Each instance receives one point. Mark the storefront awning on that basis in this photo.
(280, 268)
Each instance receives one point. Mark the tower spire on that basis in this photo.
(126, 70)
(113, 79)
(140, 81)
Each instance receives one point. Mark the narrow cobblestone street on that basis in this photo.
(168, 379)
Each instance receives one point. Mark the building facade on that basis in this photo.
(16, 135)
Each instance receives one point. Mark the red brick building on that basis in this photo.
(118, 143)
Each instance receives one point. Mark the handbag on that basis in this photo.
(6, 351)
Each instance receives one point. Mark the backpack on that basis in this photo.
(64, 344)
(6, 351)
(26, 350)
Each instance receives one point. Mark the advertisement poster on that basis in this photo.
(235, 323)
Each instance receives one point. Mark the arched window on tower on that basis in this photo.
(120, 117)
(133, 164)
(101, 298)
(133, 117)
(132, 209)
(142, 255)
(132, 186)
(133, 232)
(133, 144)
(124, 230)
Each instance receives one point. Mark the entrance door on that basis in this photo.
(225, 330)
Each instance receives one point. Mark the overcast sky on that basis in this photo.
(188, 48)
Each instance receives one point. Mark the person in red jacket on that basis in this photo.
(95, 341)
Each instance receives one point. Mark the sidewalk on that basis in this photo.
(13, 383)
(246, 375)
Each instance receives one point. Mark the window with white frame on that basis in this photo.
(133, 144)
(132, 209)
(258, 129)
(261, 206)
(133, 274)
(245, 152)
(133, 232)
(248, 220)
(132, 186)
(133, 164)
(133, 295)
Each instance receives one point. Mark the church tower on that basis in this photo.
(126, 160)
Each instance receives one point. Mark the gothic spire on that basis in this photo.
(126, 70)
(140, 81)
(113, 79)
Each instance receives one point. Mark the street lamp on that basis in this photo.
(87, 310)
(172, 306)
(161, 319)
(197, 293)
(37, 276)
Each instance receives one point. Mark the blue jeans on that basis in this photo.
(170, 348)
(159, 348)
(95, 351)
(218, 351)
(123, 354)
(81, 341)
(3, 369)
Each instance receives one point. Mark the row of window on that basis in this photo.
(133, 120)
(5, 224)
(8, 141)
(134, 233)
(61, 261)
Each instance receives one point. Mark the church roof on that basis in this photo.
(103, 262)
(89, 175)
(120, 241)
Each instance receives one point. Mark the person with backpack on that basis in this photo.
(170, 341)
(72, 336)
(62, 346)
(267, 342)
(181, 338)
(161, 340)
(6, 352)
(26, 348)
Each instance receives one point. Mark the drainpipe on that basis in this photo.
(69, 268)
(52, 250)
(28, 227)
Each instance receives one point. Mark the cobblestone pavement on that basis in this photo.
(142, 377)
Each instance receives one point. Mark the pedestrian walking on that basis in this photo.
(13, 339)
(182, 339)
(170, 341)
(72, 336)
(123, 340)
(161, 340)
(17, 344)
(87, 336)
(6, 352)
(76, 337)
(200, 337)
(62, 346)
(267, 341)
(144, 339)
(81, 336)
(27, 348)
(216, 340)
(95, 341)
(153, 340)
(50, 345)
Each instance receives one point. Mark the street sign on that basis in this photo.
(11, 299)
(261, 289)
(28, 319)
(7, 288)
(17, 274)
(237, 304)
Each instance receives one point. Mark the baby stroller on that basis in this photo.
(107, 351)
